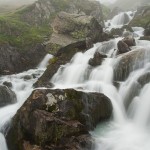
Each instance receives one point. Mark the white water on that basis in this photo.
(129, 128)
(23, 89)
(118, 20)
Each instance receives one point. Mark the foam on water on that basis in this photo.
(23, 89)
(129, 128)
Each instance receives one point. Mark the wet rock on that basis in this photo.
(122, 47)
(97, 59)
(27, 77)
(7, 96)
(116, 32)
(127, 34)
(147, 32)
(121, 31)
(144, 79)
(116, 84)
(145, 38)
(58, 119)
(125, 44)
(8, 84)
(63, 56)
(74, 143)
(129, 40)
(128, 62)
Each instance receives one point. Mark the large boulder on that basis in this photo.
(128, 62)
(72, 28)
(7, 96)
(8, 84)
(122, 47)
(125, 44)
(52, 118)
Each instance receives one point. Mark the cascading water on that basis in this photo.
(119, 20)
(129, 126)
(23, 89)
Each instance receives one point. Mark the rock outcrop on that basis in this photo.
(58, 119)
(7, 96)
(72, 28)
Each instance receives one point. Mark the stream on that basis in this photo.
(128, 128)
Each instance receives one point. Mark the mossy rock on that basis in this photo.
(76, 113)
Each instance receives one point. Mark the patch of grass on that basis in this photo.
(20, 34)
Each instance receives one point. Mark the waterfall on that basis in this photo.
(44, 62)
(79, 74)
(128, 129)
(130, 124)
(119, 20)
(23, 89)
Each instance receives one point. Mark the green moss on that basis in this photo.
(75, 98)
(53, 48)
(79, 34)
(20, 34)
(53, 60)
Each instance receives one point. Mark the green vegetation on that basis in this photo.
(79, 34)
(141, 21)
(20, 34)
(106, 11)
